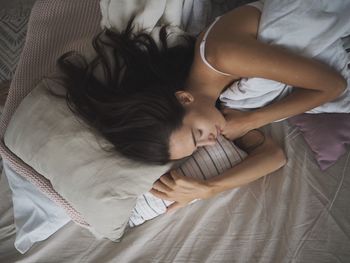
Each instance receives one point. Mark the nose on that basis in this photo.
(209, 140)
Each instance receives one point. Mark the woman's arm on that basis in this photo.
(264, 157)
(315, 82)
(242, 55)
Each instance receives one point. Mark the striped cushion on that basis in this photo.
(207, 162)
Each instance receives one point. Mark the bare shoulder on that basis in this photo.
(232, 25)
(242, 20)
(232, 32)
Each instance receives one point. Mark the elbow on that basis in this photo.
(343, 85)
(279, 157)
(338, 88)
(274, 153)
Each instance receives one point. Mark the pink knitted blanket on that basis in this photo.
(55, 27)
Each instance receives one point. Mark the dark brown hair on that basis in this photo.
(133, 105)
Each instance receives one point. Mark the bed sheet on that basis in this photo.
(296, 214)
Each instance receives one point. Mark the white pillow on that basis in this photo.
(205, 163)
(102, 186)
(36, 216)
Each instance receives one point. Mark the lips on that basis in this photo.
(218, 130)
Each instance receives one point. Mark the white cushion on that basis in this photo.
(101, 185)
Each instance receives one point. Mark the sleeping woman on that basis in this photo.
(157, 103)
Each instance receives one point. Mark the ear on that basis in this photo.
(184, 97)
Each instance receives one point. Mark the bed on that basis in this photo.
(297, 214)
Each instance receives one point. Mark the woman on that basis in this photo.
(158, 103)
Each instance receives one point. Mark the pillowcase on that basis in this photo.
(36, 216)
(327, 134)
(103, 186)
(206, 162)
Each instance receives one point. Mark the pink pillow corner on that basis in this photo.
(327, 134)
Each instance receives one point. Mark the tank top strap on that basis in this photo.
(202, 48)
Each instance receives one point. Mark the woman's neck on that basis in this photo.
(204, 81)
(202, 85)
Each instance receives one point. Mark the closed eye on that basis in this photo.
(194, 139)
(200, 133)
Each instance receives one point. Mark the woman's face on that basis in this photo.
(202, 124)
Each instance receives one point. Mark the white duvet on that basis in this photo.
(187, 15)
(312, 28)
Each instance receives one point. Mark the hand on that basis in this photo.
(237, 123)
(180, 189)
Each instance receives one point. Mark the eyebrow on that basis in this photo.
(194, 139)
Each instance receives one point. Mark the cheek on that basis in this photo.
(202, 120)
(181, 150)
(213, 116)
(205, 118)
(181, 143)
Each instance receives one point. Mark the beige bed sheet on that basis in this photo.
(297, 214)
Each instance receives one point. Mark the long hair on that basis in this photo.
(133, 105)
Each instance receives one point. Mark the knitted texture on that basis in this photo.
(54, 27)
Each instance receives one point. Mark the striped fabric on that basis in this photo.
(207, 162)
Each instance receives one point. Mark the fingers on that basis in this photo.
(160, 195)
(161, 187)
(175, 175)
(166, 183)
(173, 207)
(167, 180)
(176, 187)
(182, 183)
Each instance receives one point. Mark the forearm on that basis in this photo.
(299, 101)
(263, 161)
